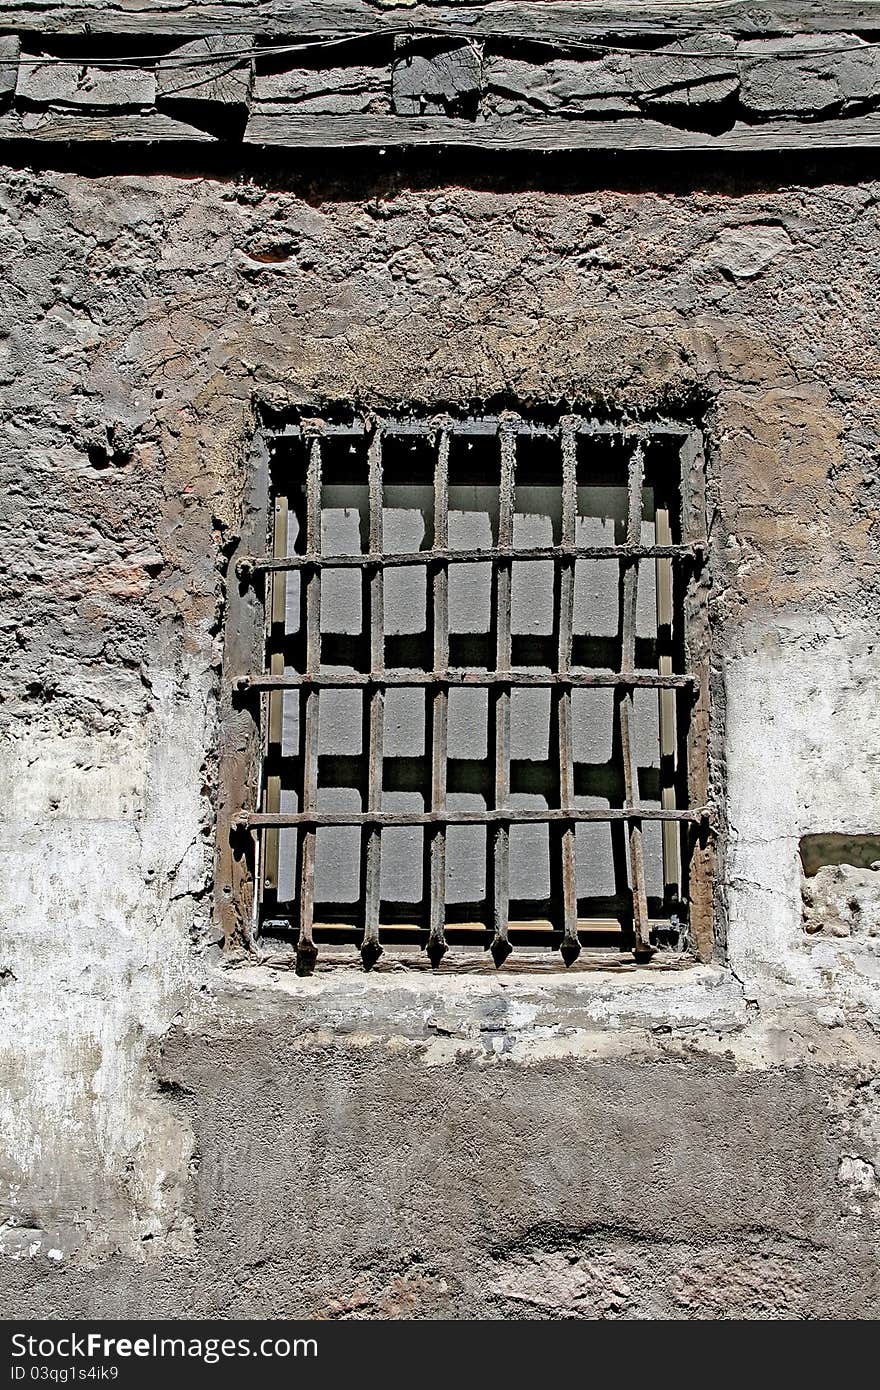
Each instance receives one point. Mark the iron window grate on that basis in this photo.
(358, 460)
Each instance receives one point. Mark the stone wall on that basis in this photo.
(188, 1132)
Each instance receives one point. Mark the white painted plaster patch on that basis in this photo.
(97, 936)
(79, 776)
(802, 756)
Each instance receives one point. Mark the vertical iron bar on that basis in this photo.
(371, 948)
(306, 951)
(436, 945)
(500, 945)
(626, 711)
(571, 946)
(668, 737)
(275, 720)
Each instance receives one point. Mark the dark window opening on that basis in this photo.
(478, 688)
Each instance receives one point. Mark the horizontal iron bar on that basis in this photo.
(517, 926)
(403, 676)
(485, 425)
(258, 820)
(377, 560)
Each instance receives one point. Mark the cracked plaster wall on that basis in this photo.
(177, 1134)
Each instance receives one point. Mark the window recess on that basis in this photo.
(484, 704)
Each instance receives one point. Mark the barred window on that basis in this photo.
(485, 641)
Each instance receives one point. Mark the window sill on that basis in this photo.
(421, 1005)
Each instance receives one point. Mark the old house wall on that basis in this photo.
(187, 1132)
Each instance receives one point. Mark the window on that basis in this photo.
(484, 639)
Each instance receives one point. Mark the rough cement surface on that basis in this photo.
(176, 1138)
(348, 1181)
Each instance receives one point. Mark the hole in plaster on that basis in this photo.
(841, 884)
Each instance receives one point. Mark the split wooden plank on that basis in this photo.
(323, 91)
(426, 76)
(561, 85)
(213, 70)
(241, 729)
(807, 76)
(76, 84)
(10, 72)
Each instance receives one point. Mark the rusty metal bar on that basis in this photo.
(310, 560)
(571, 945)
(436, 945)
(371, 948)
(539, 927)
(275, 714)
(402, 676)
(485, 425)
(249, 820)
(306, 951)
(626, 711)
(666, 697)
(503, 573)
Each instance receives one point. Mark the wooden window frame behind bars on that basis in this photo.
(252, 835)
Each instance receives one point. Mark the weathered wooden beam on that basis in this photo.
(73, 127)
(701, 839)
(280, 131)
(550, 20)
(549, 135)
(238, 736)
(494, 91)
